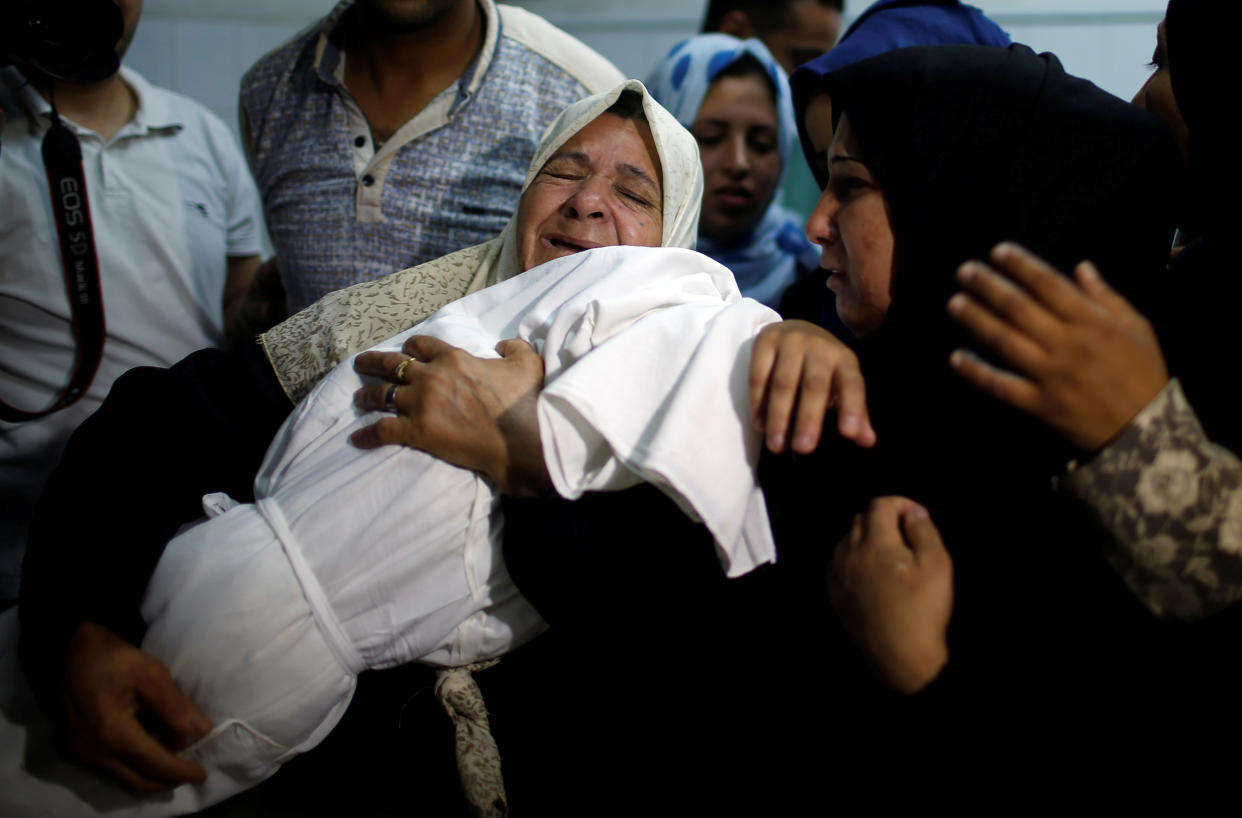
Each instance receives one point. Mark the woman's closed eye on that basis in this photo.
(564, 174)
(638, 198)
(566, 167)
(709, 138)
(761, 140)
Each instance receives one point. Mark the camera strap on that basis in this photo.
(62, 157)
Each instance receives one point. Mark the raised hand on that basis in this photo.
(1085, 361)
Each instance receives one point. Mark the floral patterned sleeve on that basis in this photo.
(1172, 502)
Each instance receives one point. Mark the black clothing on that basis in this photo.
(1197, 322)
(972, 146)
(131, 475)
(1202, 68)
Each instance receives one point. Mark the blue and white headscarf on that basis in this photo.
(765, 261)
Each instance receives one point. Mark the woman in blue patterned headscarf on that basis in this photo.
(734, 97)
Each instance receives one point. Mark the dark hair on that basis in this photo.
(764, 15)
(629, 106)
(748, 65)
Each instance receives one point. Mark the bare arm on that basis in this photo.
(254, 298)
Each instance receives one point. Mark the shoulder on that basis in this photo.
(195, 121)
(12, 87)
(197, 124)
(270, 69)
(577, 60)
(164, 104)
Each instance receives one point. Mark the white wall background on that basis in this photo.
(202, 48)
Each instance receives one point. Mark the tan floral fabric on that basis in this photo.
(307, 345)
(478, 758)
(1171, 501)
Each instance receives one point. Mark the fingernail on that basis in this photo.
(850, 424)
(957, 303)
(776, 442)
(202, 724)
(956, 358)
(966, 272)
(802, 443)
(1087, 270)
(1001, 250)
(916, 512)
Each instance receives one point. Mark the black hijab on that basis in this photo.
(1197, 322)
(971, 146)
(1200, 37)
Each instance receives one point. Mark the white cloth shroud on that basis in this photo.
(368, 558)
(662, 396)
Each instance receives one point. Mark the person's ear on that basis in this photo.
(737, 23)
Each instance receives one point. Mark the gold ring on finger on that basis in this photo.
(401, 368)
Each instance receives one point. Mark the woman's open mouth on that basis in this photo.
(571, 245)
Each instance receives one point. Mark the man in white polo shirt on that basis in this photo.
(176, 227)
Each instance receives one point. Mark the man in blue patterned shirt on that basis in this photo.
(393, 132)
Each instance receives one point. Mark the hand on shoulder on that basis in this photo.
(798, 371)
(1085, 361)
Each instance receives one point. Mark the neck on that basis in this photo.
(393, 75)
(103, 107)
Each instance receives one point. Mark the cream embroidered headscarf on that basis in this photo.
(305, 347)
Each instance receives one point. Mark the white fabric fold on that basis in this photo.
(665, 400)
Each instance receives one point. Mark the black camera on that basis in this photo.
(71, 40)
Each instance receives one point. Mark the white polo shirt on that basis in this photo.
(170, 199)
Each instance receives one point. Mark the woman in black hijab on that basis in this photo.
(968, 147)
(1170, 499)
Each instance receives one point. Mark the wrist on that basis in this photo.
(909, 671)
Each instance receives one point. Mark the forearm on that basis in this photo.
(1171, 503)
(522, 470)
(133, 473)
(254, 299)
